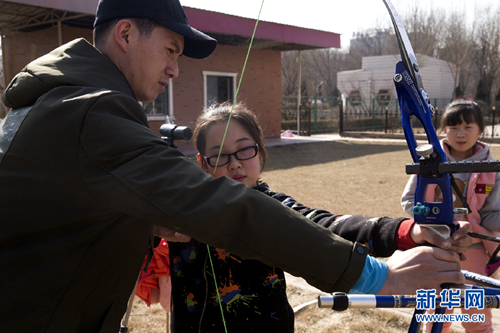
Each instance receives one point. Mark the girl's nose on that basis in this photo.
(234, 163)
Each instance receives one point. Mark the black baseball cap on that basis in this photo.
(168, 13)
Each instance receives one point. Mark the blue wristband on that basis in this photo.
(372, 278)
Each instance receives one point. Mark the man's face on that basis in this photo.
(152, 61)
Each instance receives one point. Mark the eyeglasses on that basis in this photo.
(241, 155)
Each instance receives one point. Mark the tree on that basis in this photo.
(325, 63)
(472, 51)
(487, 48)
(424, 29)
(289, 72)
(456, 49)
(375, 41)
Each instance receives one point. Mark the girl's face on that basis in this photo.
(462, 139)
(237, 139)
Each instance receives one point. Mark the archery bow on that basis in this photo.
(429, 159)
(414, 102)
(431, 168)
(430, 163)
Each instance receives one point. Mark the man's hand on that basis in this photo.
(422, 267)
(458, 242)
(169, 235)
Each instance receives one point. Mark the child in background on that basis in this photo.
(462, 123)
(253, 295)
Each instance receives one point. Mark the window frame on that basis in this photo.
(214, 73)
(170, 107)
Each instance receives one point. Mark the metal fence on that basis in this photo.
(319, 115)
(382, 114)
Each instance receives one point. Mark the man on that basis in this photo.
(84, 180)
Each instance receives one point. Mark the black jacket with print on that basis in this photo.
(253, 295)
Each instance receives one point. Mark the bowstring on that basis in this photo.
(220, 151)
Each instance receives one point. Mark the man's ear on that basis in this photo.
(123, 30)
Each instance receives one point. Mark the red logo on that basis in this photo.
(483, 188)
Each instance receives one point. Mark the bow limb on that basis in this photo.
(414, 103)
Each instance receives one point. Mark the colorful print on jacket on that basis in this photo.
(253, 295)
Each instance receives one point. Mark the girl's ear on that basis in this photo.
(261, 156)
(201, 162)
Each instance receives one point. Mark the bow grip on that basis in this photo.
(414, 103)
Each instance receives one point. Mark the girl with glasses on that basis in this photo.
(214, 290)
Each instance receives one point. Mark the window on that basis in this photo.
(354, 98)
(162, 105)
(383, 97)
(218, 87)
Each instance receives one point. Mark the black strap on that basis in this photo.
(459, 194)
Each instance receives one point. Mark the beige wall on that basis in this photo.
(260, 89)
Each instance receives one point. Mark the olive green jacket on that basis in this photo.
(84, 180)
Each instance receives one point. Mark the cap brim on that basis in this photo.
(197, 45)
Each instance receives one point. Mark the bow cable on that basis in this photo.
(220, 151)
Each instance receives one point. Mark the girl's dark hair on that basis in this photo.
(219, 113)
(459, 111)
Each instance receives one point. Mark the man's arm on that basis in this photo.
(131, 170)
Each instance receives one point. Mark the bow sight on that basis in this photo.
(171, 132)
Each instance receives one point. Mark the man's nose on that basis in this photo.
(172, 70)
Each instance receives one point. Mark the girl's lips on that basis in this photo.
(239, 178)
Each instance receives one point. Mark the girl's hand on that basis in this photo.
(458, 242)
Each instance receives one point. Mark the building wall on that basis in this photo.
(378, 71)
(385, 62)
(20, 49)
(260, 89)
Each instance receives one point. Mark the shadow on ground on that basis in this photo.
(305, 154)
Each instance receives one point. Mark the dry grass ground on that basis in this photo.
(343, 177)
